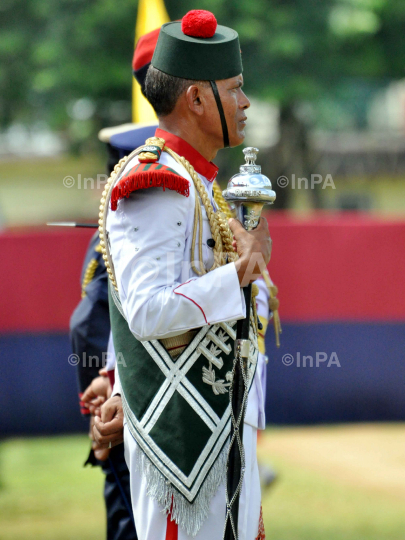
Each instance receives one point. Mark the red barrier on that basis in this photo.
(40, 278)
(327, 268)
(338, 267)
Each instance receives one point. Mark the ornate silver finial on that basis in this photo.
(249, 190)
(250, 158)
(250, 155)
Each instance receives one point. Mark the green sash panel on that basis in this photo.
(178, 412)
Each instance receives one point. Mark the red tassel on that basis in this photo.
(172, 530)
(261, 532)
(147, 179)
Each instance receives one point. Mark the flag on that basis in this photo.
(151, 15)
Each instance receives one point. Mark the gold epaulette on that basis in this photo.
(90, 271)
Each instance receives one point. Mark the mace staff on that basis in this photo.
(248, 191)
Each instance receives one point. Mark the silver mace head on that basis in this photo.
(249, 191)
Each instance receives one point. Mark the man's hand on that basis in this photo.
(100, 453)
(110, 427)
(254, 250)
(97, 393)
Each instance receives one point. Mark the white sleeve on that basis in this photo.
(262, 299)
(111, 365)
(117, 384)
(148, 236)
(111, 359)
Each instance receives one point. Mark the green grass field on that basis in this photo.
(334, 483)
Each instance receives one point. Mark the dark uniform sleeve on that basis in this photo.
(90, 322)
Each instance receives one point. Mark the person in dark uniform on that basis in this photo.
(90, 329)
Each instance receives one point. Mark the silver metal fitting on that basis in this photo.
(242, 347)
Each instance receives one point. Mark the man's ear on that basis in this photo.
(194, 99)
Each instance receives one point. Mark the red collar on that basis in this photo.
(180, 146)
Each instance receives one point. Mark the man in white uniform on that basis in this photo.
(176, 291)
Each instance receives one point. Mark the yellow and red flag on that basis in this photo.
(151, 15)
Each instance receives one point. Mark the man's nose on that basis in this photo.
(244, 103)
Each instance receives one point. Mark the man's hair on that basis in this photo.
(163, 91)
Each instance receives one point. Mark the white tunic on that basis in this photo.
(150, 236)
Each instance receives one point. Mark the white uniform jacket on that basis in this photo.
(150, 237)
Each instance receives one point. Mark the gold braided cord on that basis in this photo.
(220, 201)
(103, 215)
(148, 156)
(155, 141)
(198, 224)
(227, 237)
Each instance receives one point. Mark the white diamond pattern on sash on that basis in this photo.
(176, 381)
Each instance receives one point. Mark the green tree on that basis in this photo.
(329, 54)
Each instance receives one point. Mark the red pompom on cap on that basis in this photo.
(199, 23)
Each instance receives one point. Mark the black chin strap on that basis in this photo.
(221, 113)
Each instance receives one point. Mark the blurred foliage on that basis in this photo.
(67, 65)
(54, 53)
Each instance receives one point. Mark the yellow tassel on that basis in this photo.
(273, 305)
(255, 292)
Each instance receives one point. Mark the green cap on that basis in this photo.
(198, 58)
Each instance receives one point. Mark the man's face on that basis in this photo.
(234, 103)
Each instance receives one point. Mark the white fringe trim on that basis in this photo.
(188, 516)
